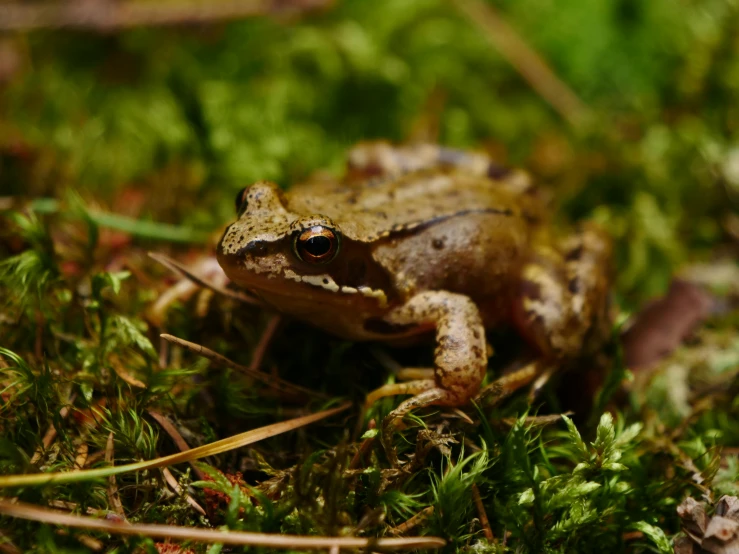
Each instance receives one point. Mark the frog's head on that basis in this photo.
(298, 262)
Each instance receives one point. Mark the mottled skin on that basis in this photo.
(423, 238)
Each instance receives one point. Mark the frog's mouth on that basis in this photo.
(318, 289)
(282, 284)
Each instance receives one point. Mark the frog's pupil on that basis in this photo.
(318, 245)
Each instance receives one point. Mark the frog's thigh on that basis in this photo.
(563, 295)
(460, 357)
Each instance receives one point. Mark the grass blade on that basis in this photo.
(223, 445)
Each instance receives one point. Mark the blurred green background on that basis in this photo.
(188, 115)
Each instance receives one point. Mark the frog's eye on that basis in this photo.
(241, 200)
(318, 245)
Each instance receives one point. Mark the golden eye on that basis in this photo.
(317, 245)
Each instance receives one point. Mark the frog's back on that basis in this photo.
(389, 206)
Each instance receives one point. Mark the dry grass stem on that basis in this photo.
(113, 498)
(276, 383)
(261, 348)
(481, 513)
(364, 448)
(56, 517)
(224, 445)
(172, 482)
(413, 522)
(174, 434)
(525, 59)
(177, 267)
(90, 542)
(49, 437)
(107, 15)
(7, 546)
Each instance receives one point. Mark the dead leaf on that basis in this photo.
(665, 323)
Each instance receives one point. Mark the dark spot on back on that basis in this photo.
(574, 254)
(438, 244)
(529, 289)
(574, 285)
(497, 171)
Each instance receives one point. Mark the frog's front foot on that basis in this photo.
(460, 359)
(393, 422)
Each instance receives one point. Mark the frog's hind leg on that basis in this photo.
(415, 373)
(563, 303)
(509, 383)
(416, 386)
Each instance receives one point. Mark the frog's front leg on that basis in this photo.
(460, 357)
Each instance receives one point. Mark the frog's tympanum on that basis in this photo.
(418, 239)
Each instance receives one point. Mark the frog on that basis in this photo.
(419, 241)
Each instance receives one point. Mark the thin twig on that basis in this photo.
(271, 381)
(175, 435)
(177, 267)
(261, 348)
(364, 447)
(90, 542)
(102, 15)
(49, 437)
(172, 482)
(113, 498)
(525, 59)
(413, 522)
(481, 513)
(45, 515)
(7, 546)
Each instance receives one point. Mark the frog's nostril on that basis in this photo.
(254, 248)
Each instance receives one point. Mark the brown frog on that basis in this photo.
(418, 239)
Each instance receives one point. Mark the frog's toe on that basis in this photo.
(508, 384)
(393, 422)
(394, 389)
